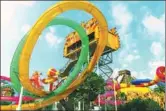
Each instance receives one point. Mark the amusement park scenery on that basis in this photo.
(83, 55)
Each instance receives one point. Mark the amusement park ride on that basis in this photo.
(91, 45)
(72, 48)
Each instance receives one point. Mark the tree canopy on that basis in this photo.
(88, 91)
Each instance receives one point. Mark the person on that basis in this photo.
(52, 76)
(35, 79)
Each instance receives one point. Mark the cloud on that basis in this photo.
(140, 75)
(162, 18)
(135, 51)
(122, 16)
(25, 28)
(154, 64)
(25, 3)
(154, 26)
(115, 73)
(10, 32)
(131, 57)
(8, 9)
(51, 39)
(157, 49)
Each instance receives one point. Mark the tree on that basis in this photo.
(88, 91)
(122, 96)
(108, 107)
(6, 90)
(139, 104)
(159, 89)
(5, 102)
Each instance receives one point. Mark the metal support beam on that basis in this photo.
(103, 67)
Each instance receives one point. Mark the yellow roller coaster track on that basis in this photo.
(33, 36)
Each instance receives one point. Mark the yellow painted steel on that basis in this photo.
(134, 89)
(113, 41)
(50, 14)
(32, 38)
(37, 105)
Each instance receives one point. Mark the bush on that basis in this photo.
(108, 108)
(140, 105)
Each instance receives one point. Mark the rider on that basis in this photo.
(52, 76)
(35, 79)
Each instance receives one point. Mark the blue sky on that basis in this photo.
(139, 24)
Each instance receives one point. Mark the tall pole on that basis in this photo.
(105, 101)
(115, 97)
(90, 105)
(79, 105)
(55, 106)
(83, 106)
(20, 100)
(99, 100)
(74, 106)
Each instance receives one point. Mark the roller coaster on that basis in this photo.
(91, 45)
(19, 72)
(72, 47)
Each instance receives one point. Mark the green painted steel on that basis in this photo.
(14, 69)
(83, 58)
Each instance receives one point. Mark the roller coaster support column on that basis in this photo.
(55, 106)
(103, 64)
(20, 100)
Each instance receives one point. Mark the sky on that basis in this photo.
(140, 25)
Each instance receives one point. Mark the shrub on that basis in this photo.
(139, 104)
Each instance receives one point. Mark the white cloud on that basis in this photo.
(140, 75)
(135, 51)
(52, 30)
(51, 39)
(124, 65)
(8, 9)
(122, 16)
(25, 28)
(154, 25)
(115, 73)
(25, 3)
(10, 32)
(137, 57)
(162, 18)
(157, 49)
(154, 64)
(131, 57)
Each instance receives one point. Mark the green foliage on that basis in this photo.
(5, 102)
(8, 93)
(88, 91)
(159, 89)
(139, 104)
(108, 108)
(92, 86)
(122, 96)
